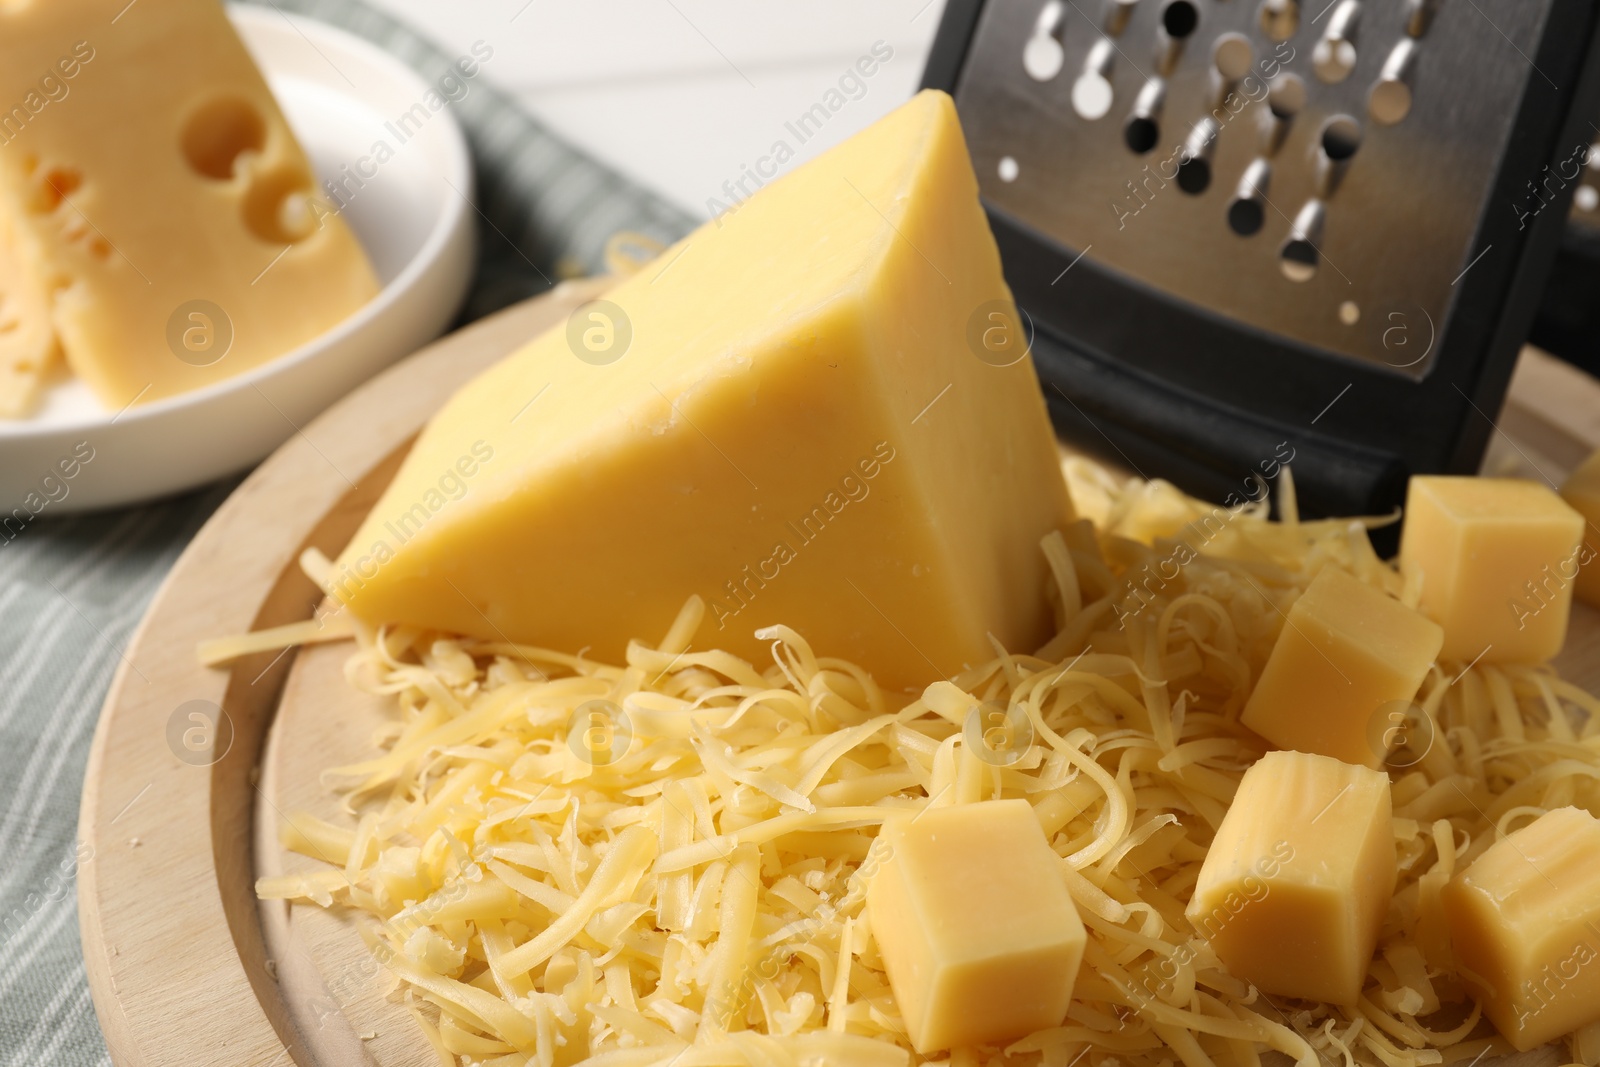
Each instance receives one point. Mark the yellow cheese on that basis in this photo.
(1348, 656)
(163, 198)
(28, 349)
(1524, 923)
(791, 413)
(1582, 492)
(788, 960)
(1497, 557)
(979, 936)
(1294, 888)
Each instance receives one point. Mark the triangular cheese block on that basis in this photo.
(809, 411)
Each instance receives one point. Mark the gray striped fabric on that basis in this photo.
(73, 589)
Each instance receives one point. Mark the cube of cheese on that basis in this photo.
(1347, 653)
(977, 931)
(1524, 922)
(1582, 492)
(1294, 889)
(157, 192)
(787, 414)
(1498, 557)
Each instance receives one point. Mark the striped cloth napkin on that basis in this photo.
(73, 589)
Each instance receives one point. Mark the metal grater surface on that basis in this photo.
(1311, 172)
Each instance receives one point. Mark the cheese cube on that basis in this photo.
(157, 192)
(977, 931)
(790, 414)
(1348, 652)
(1294, 889)
(1498, 557)
(1524, 922)
(1582, 492)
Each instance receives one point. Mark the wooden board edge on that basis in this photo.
(186, 982)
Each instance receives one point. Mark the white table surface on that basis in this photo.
(680, 95)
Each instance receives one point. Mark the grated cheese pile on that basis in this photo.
(665, 861)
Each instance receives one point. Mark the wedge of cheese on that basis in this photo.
(162, 199)
(814, 411)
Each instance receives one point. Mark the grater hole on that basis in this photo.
(1141, 134)
(1340, 138)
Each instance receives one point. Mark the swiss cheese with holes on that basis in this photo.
(157, 198)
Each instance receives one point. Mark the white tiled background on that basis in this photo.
(679, 95)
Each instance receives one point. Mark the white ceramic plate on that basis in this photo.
(416, 222)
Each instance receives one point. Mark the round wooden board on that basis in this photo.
(186, 966)
(174, 939)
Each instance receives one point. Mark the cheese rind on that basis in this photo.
(158, 174)
(1346, 653)
(1294, 888)
(782, 415)
(1498, 557)
(978, 934)
(1524, 920)
(1582, 493)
